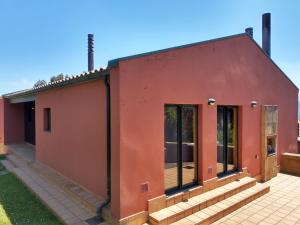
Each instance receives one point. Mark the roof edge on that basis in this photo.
(78, 79)
(114, 62)
(273, 62)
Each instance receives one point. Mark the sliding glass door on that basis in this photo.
(180, 148)
(227, 140)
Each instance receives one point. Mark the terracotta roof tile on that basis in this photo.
(83, 77)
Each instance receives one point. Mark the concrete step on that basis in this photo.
(73, 190)
(8, 165)
(217, 211)
(16, 160)
(89, 200)
(199, 202)
(164, 201)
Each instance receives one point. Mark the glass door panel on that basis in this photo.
(232, 139)
(189, 145)
(226, 139)
(171, 148)
(220, 140)
(180, 147)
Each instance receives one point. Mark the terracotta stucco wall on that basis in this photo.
(233, 71)
(13, 122)
(1, 120)
(76, 145)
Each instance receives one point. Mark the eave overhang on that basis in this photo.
(30, 94)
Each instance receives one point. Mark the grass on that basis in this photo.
(19, 206)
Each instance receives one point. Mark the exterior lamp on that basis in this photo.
(211, 101)
(253, 104)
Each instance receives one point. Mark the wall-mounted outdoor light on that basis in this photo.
(253, 104)
(211, 101)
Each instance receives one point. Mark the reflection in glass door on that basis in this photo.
(171, 148)
(226, 139)
(180, 147)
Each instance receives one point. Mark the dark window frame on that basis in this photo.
(47, 119)
(227, 172)
(182, 186)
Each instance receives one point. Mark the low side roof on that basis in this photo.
(73, 80)
(115, 62)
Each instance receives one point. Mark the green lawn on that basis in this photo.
(18, 206)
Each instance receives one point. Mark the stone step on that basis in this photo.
(199, 202)
(16, 160)
(164, 201)
(21, 159)
(8, 165)
(217, 211)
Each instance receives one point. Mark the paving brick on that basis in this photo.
(276, 207)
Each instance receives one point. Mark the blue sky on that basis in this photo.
(39, 39)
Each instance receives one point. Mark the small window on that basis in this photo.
(270, 126)
(47, 119)
(271, 145)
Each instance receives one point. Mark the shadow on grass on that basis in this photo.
(2, 157)
(21, 206)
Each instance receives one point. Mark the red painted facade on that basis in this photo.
(13, 122)
(76, 144)
(234, 71)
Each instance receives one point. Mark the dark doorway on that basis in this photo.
(227, 149)
(29, 122)
(180, 147)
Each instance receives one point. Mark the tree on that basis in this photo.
(39, 83)
(58, 77)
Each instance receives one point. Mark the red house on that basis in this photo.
(153, 130)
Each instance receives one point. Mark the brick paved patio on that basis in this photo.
(280, 206)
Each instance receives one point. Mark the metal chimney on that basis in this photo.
(266, 33)
(249, 31)
(90, 52)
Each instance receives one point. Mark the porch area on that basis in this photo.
(22, 150)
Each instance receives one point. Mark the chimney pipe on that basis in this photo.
(249, 31)
(266, 33)
(90, 52)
